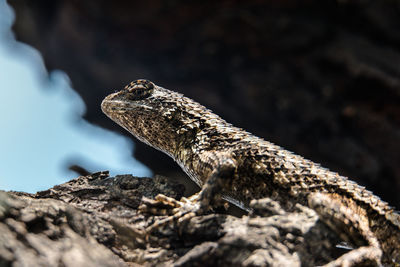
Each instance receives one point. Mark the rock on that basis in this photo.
(94, 221)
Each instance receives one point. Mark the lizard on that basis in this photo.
(225, 159)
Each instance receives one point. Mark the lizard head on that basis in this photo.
(164, 119)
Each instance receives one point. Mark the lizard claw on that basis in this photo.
(176, 210)
(160, 205)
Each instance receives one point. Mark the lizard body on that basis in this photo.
(201, 142)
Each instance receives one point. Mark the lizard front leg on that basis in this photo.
(223, 169)
(218, 181)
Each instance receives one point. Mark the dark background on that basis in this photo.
(320, 78)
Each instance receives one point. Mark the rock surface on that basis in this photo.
(94, 221)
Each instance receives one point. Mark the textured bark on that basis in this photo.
(93, 221)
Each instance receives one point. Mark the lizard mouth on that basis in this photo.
(111, 105)
(108, 104)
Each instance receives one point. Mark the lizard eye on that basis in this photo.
(139, 89)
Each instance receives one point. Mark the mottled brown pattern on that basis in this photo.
(201, 142)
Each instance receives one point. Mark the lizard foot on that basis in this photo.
(350, 226)
(177, 210)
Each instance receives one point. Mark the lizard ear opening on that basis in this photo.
(139, 89)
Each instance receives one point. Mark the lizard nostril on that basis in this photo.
(139, 89)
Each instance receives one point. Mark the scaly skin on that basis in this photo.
(202, 143)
